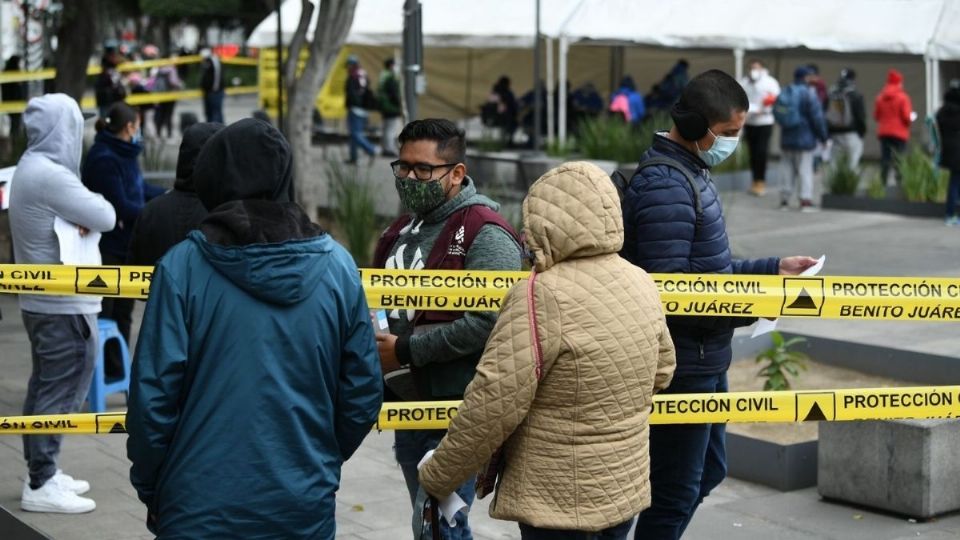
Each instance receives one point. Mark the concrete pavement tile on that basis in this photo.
(373, 489)
(716, 522)
(391, 533)
(804, 511)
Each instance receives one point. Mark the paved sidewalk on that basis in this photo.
(372, 503)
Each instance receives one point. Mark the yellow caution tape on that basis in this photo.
(139, 99)
(41, 74)
(828, 297)
(728, 408)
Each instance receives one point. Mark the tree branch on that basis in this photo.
(296, 44)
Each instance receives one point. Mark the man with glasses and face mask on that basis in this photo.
(673, 223)
(450, 227)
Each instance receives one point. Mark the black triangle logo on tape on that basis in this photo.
(804, 301)
(98, 283)
(118, 428)
(815, 414)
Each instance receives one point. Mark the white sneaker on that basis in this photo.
(54, 498)
(67, 482)
(70, 483)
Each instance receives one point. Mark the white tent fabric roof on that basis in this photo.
(914, 27)
(892, 26)
(449, 23)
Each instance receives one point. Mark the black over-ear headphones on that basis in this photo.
(691, 125)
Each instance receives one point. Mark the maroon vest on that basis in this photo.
(449, 251)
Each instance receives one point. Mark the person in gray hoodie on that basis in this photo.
(62, 329)
(450, 227)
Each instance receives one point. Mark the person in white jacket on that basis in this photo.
(62, 329)
(762, 91)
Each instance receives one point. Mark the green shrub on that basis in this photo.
(555, 148)
(354, 209)
(876, 188)
(608, 137)
(780, 362)
(920, 179)
(841, 177)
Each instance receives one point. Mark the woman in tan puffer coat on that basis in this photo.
(571, 407)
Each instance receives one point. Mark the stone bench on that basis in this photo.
(909, 467)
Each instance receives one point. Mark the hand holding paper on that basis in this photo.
(790, 266)
(451, 504)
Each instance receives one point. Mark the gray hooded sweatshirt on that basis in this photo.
(47, 184)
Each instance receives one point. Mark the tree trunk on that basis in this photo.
(334, 20)
(75, 42)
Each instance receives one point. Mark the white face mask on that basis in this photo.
(723, 147)
(755, 74)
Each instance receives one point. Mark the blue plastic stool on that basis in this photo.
(99, 388)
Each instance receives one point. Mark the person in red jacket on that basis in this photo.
(893, 113)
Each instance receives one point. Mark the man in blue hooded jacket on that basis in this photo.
(256, 372)
(673, 223)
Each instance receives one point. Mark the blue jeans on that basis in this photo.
(358, 136)
(686, 462)
(409, 448)
(213, 106)
(63, 349)
(617, 532)
(953, 193)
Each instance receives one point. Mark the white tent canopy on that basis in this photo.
(446, 23)
(887, 26)
(917, 27)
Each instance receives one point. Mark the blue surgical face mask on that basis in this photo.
(723, 147)
(137, 137)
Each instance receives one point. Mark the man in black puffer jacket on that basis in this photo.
(670, 228)
(166, 220)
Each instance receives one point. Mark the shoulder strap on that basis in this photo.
(674, 164)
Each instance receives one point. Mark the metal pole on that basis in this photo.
(738, 54)
(562, 69)
(411, 56)
(550, 86)
(537, 86)
(280, 121)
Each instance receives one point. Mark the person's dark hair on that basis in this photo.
(13, 63)
(451, 140)
(627, 82)
(715, 95)
(814, 69)
(389, 63)
(683, 63)
(502, 84)
(118, 116)
(756, 61)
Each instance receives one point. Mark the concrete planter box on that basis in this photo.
(14, 529)
(904, 466)
(732, 181)
(890, 206)
(786, 467)
(493, 170)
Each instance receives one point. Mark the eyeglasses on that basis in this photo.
(422, 171)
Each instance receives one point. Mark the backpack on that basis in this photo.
(839, 110)
(787, 109)
(161, 81)
(622, 183)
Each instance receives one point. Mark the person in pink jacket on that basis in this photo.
(893, 113)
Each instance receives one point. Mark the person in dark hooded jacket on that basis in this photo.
(948, 122)
(256, 372)
(166, 220)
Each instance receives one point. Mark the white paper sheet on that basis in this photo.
(76, 249)
(765, 326)
(450, 505)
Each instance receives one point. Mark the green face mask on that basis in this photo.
(420, 197)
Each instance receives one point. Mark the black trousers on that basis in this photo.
(758, 142)
(121, 311)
